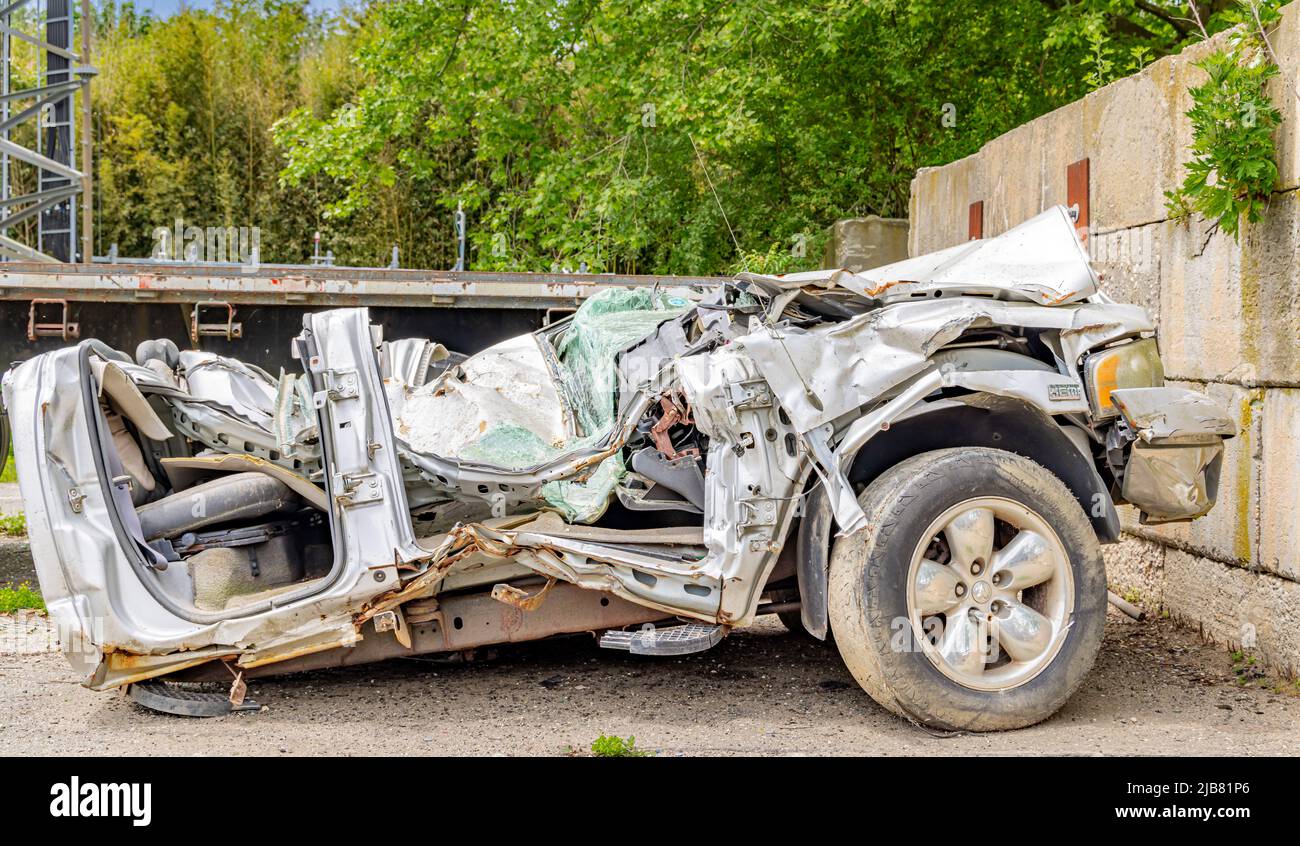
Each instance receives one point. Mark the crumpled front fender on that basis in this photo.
(1174, 463)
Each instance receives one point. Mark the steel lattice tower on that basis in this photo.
(46, 25)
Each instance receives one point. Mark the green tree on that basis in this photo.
(183, 110)
(673, 136)
(685, 135)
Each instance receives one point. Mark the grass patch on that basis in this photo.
(1249, 671)
(14, 525)
(10, 472)
(613, 746)
(19, 598)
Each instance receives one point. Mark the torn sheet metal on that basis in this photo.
(531, 402)
(665, 565)
(1040, 261)
(499, 407)
(756, 470)
(1158, 414)
(820, 375)
(234, 407)
(410, 360)
(244, 390)
(1174, 481)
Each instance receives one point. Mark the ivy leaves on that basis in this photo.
(1233, 167)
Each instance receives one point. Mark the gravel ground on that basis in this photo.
(1156, 690)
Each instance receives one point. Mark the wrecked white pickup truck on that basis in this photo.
(921, 460)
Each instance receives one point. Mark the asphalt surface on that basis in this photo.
(1156, 690)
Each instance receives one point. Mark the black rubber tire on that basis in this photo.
(867, 590)
(792, 621)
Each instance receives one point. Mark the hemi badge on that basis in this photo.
(1064, 391)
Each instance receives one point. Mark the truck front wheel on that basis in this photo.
(975, 598)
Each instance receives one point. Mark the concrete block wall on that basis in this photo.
(1228, 314)
(861, 243)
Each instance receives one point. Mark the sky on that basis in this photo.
(163, 8)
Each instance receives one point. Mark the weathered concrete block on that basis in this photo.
(1202, 320)
(1270, 297)
(1228, 532)
(862, 243)
(1177, 75)
(1236, 608)
(1279, 491)
(1061, 140)
(1131, 147)
(1283, 91)
(1010, 166)
(1137, 564)
(1128, 262)
(1229, 311)
(938, 208)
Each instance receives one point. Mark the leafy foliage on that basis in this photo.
(613, 746)
(183, 112)
(13, 525)
(679, 136)
(19, 598)
(1233, 167)
(670, 136)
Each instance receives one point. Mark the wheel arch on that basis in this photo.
(973, 420)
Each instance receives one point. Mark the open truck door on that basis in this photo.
(152, 560)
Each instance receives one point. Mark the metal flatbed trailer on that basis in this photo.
(318, 286)
(250, 313)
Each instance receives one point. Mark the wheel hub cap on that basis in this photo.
(990, 592)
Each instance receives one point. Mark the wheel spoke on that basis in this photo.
(963, 646)
(995, 571)
(1027, 561)
(1021, 631)
(936, 588)
(970, 537)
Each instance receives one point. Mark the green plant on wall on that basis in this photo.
(1234, 157)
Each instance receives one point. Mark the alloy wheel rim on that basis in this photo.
(989, 593)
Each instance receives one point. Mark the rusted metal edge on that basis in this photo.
(314, 286)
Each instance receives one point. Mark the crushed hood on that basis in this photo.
(1040, 261)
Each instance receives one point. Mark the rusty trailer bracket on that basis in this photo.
(65, 329)
(230, 330)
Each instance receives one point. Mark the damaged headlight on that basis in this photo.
(1133, 365)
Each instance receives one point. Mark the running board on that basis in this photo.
(185, 701)
(674, 640)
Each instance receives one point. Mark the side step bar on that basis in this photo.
(673, 640)
(185, 700)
